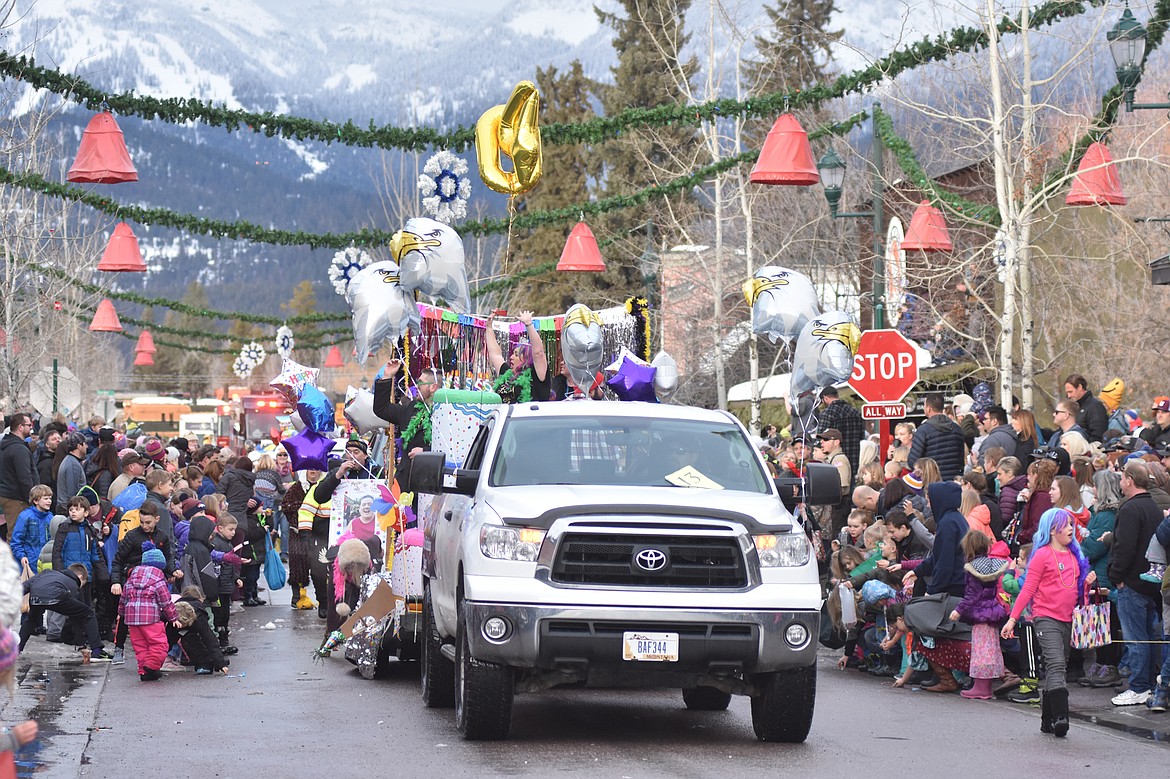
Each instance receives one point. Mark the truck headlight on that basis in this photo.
(510, 543)
(782, 551)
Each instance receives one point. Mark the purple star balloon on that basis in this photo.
(308, 451)
(634, 381)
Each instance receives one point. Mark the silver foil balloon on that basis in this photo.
(382, 308)
(782, 302)
(665, 376)
(581, 345)
(359, 410)
(824, 351)
(430, 255)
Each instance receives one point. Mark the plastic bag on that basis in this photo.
(274, 572)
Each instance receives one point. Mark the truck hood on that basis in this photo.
(540, 506)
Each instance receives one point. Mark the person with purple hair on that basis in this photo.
(526, 377)
(1058, 575)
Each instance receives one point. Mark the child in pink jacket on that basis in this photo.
(145, 603)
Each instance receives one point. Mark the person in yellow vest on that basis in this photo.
(300, 545)
(313, 520)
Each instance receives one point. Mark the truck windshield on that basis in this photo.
(627, 452)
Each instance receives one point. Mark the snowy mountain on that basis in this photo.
(407, 62)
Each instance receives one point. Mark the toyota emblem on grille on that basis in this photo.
(650, 560)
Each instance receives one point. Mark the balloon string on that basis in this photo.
(511, 220)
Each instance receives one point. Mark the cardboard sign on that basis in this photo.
(689, 476)
(380, 603)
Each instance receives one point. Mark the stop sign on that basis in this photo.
(885, 367)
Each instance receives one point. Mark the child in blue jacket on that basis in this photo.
(75, 541)
(32, 527)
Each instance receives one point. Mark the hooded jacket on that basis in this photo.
(129, 554)
(1008, 493)
(944, 564)
(70, 479)
(30, 535)
(49, 587)
(74, 542)
(43, 462)
(46, 556)
(981, 604)
(980, 519)
(199, 552)
(940, 439)
(1002, 436)
(17, 475)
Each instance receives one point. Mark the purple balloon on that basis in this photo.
(634, 381)
(307, 450)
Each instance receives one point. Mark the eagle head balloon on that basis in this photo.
(581, 345)
(782, 302)
(430, 255)
(382, 309)
(824, 351)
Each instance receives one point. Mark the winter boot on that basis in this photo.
(1059, 710)
(946, 680)
(1046, 713)
(1027, 694)
(980, 690)
(303, 602)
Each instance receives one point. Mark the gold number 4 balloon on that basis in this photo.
(511, 130)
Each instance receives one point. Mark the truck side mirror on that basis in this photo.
(426, 472)
(429, 474)
(821, 486)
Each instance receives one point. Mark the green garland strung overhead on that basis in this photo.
(183, 308)
(181, 110)
(161, 217)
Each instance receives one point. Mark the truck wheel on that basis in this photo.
(483, 695)
(438, 675)
(782, 709)
(706, 699)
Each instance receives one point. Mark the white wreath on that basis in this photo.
(346, 264)
(445, 187)
(284, 341)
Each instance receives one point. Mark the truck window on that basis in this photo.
(643, 453)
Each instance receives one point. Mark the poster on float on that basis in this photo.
(362, 507)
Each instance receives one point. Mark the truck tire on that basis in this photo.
(782, 709)
(438, 675)
(706, 699)
(483, 695)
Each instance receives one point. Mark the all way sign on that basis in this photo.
(883, 411)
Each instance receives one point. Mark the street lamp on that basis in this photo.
(832, 170)
(1127, 44)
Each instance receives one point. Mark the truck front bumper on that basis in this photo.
(709, 641)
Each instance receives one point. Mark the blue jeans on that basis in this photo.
(1139, 614)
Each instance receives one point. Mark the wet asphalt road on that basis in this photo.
(290, 717)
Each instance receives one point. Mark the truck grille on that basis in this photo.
(691, 561)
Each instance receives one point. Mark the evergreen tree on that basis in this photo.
(649, 40)
(795, 51)
(176, 370)
(564, 98)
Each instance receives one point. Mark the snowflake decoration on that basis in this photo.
(241, 368)
(445, 187)
(345, 265)
(253, 354)
(284, 341)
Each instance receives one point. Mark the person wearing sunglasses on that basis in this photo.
(412, 418)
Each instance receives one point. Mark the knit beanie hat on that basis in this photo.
(1111, 394)
(90, 494)
(913, 482)
(152, 556)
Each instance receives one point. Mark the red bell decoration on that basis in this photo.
(334, 359)
(928, 230)
(122, 254)
(1096, 182)
(143, 359)
(102, 158)
(145, 343)
(581, 253)
(786, 157)
(105, 319)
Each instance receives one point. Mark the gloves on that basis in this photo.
(231, 558)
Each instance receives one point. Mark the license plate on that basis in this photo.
(650, 647)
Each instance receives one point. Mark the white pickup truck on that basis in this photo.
(607, 544)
